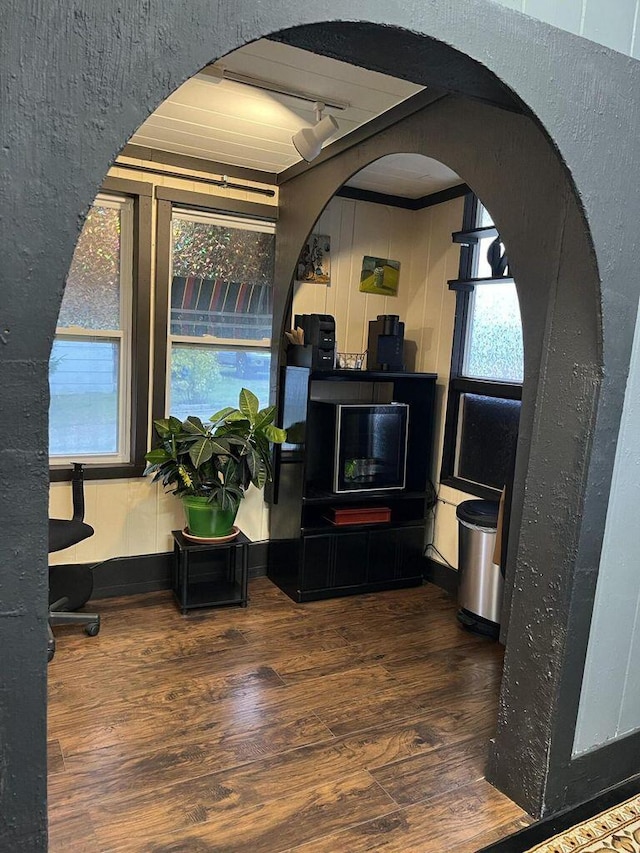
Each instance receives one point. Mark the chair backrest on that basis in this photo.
(65, 532)
(70, 585)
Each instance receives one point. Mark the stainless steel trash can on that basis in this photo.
(479, 578)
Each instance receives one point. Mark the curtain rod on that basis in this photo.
(222, 182)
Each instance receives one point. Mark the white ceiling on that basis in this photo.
(408, 175)
(230, 122)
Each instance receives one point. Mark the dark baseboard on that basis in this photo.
(152, 572)
(258, 552)
(545, 829)
(441, 575)
(132, 575)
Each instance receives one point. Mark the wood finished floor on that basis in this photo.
(356, 724)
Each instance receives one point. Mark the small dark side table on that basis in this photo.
(208, 574)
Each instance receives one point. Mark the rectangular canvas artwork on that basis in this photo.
(379, 275)
(314, 264)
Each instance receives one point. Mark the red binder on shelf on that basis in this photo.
(359, 515)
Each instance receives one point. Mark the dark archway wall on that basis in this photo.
(79, 79)
(527, 194)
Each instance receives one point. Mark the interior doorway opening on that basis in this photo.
(307, 224)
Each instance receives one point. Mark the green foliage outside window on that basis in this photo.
(195, 373)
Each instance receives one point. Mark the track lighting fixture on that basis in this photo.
(308, 141)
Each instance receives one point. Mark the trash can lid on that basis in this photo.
(483, 513)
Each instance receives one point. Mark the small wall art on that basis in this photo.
(314, 263)
(379, 275)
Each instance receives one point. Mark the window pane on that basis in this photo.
(484, 217)
(204, 379)
(222, 281)
(92, 292)
(494, 347)
(220, 309)
(486, 441)
(83, 414)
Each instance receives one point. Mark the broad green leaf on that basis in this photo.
(253, 461)
(275, 434)
(161, 426)
(264, 417)
(220, 447)
(200, 452)
(260, 475)
(236, 427)
(249, 404)
(157, 456)
(236, 440)
(222, 414)
(194, 425)
(228, 470)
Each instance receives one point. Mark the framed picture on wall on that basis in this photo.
(379, 275)
(314, 263)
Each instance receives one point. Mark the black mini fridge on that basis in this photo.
(357, 447)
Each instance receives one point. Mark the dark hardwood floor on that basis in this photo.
(355, 724)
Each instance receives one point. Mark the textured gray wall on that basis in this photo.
(79, 77)
(614, 23)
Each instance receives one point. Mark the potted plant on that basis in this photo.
(211, 465)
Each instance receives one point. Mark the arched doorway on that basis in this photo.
(440, 132)
(553, 635)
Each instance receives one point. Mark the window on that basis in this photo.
(99, 366)
(220, 311)
(493, 347)
(89, 369)
(487, 366)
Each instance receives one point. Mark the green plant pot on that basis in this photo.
(207, 519)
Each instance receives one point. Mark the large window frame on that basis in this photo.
(134, 335)
(183, 203)
(459, 384)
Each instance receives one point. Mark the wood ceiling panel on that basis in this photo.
(319, 66)
(214, 125)
(245, 156)
(230, 122)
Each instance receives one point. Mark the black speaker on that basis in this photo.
(385, 348)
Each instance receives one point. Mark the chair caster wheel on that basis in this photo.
(50, 653)
(92, 629)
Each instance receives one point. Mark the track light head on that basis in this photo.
(308, 141)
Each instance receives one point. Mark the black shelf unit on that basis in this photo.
(209, 574)
(309, 556)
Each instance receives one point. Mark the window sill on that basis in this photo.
(476, 489)
(97, 471)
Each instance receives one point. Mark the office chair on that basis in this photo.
(70, 586)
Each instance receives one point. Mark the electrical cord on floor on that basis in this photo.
(442, 557)
(432, 507)
(432, 501)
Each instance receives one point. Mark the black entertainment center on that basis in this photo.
(351, 487)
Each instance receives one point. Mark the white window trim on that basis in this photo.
(123, 335)
(210, 341)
